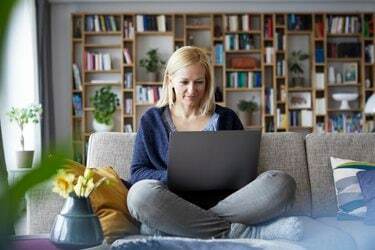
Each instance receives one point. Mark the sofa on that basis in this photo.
(306, 158)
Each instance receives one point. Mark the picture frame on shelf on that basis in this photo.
(299, 100)
(350, 73)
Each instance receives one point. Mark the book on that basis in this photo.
(77, 105)
(140, 27)
(128, 59)
(319, 81)
(161, 23)
(77, 77)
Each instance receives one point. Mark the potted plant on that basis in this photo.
(105, 103)
(23, 116)
(296, 67)
(152, 63)
(246, 109)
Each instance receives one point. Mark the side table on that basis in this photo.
(15, 174)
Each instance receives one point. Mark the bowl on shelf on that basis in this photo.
(345, 98)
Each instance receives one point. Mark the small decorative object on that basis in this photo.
(331, 75)
(350, 73)
(76, 226)
(152, 63)
(23, 116)
(345, 98)
(299, 100)
(246, 111)
(105, 103)
(338, 78)
(296, 67)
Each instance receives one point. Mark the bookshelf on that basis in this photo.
(250, 54)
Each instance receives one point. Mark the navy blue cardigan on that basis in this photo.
(150, 155)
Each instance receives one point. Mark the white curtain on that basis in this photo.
(19, 79)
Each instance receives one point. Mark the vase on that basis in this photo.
(102, 127)
(76, 226)
(245, 118)
(24, 158)
(152, 76)
(331, 75)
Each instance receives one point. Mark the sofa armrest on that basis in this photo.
(42, 205)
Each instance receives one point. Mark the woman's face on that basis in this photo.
(189, 85)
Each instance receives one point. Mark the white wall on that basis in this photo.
(61, 44)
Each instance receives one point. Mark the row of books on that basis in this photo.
(346, 122)
(244, 80)
(127, 56)
(299, 22)
(281, 119)
(269, 55)
(128, 80)
(319, 81)
(242, 42)
(319, 29)
(319, 55)
(242, 22)
(151, 23)
(128, 106)
(301, 118)
(269, 101)
(77, 105)
(281, 67)
(97, 61)
(369, 53)
(148, 94)
(219, 53)
(343, 24)
(320, 106)
(100, 23)
(280, 41)
(368, 27)
(268, 27)
(128, 29)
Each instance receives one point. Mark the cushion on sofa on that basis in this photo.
(366, 181)
(319, 149)
(286, 151)
(363, 235)
(350, 202)
(109, 202)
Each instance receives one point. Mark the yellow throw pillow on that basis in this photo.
(109, 202)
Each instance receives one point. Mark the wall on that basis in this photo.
(61, 40)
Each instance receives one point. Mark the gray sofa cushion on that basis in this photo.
(363, 235)
(319, 147)
(286, 151)
(111, 149)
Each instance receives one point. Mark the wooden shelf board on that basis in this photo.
(344, 110)
(343, 34)
(149, 83)
(128, 90)
(218, 65)
(344, 85)
(102, 33)
(128, 65)
(179, 40)
(332, 59)
(201, 27)
(77, 40)
(244, 51)
(76, 91)
(154, 33)
(105, 46)
(242, 89)
(103, 71)
(128, 116)
(299, 89)
(299, 32)
(237, 70)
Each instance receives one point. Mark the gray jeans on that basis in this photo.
(268, 196)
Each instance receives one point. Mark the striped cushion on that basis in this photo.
(350, 201)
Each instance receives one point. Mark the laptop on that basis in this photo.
(206, 166)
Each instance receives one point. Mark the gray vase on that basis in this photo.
(76, 226)
(24, 159)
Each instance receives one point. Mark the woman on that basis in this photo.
(187, 104)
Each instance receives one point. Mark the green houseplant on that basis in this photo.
(295, 66)
(24, 116)
(246, 108)
(152, 63)
(105, 103)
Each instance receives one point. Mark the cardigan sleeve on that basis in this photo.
(141, 167)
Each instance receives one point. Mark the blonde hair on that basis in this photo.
(182, 58)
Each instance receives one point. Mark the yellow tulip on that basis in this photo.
(63, 183)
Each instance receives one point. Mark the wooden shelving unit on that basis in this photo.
(267, 38)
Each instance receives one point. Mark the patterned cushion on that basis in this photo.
(367, 183)
(350, 202)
